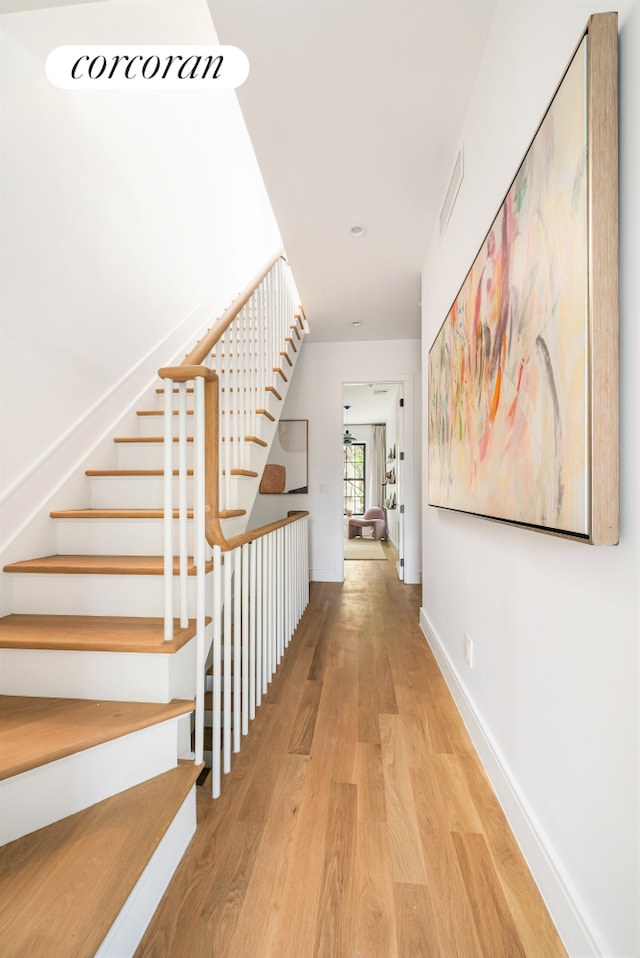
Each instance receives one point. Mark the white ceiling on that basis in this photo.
(354, 108)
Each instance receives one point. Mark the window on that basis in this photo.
(354, 470)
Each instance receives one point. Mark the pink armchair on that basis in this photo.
(372, 519)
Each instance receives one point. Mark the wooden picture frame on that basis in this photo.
(287, 468)
(523, 373)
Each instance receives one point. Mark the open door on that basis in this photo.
(399, 482)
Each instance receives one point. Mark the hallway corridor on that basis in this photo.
(356, 822)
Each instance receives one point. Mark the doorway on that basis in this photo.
(373, 460)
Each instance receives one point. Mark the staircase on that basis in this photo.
(102, 687)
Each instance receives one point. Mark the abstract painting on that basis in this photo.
(510, 395)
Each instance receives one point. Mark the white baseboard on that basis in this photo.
(579, 939)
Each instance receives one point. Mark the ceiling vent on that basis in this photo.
(452, 191)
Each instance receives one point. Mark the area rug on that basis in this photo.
(363, 549)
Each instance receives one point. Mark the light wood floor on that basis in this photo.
(357, 821)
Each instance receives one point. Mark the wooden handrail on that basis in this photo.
(210, 338)
(182, 374)
(254, 534)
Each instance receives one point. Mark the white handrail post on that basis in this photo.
(245, 638)
(217, 666)
(226, 697)
(253, 601)
(237, 655)
(182, 502)
(168, 509)
(199, 551)
(259, 624)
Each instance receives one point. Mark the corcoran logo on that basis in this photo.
(147, 67)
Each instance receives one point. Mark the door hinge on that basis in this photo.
(402, 508)
(402, 404)
(401, 562)
(401, 456)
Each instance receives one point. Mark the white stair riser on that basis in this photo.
(110, 676)
(125, 934)
(150, 455)
(134, 492)
(244, 425)
(137, 595)
(142, 537)
(160, 401)
(147, 492)
(43, 795)
(154, 425)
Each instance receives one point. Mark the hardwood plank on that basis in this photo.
(369, 778)
(442, 798)
(375, 914)
(305, 722)
(35, 731)
(492, 918)
(454, 921)
(407, 862)
(535, 928)
(92, 633)
(368, 726)
(263, 903)
(61, 887)
(335, 924)
(415, 924)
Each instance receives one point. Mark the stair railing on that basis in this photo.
(260, 578)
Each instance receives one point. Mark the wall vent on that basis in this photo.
(452, 191)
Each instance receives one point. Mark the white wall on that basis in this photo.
(552, 699)
(129, 220)
(316, 394)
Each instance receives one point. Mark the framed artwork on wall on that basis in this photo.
(523, 373)
(287, 468)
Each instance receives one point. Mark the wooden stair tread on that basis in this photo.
(114, 514)
(208, 700)
(62, 887)
(160, 412)
(147, 439)
(90, 633)
(143, 473)
(35, 731)
(133, 513)
(251, 473)
(100, 565)
(160, 439)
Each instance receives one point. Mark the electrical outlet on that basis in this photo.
(468, 651)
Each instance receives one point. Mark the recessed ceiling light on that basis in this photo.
(357, 322)
(358, 230)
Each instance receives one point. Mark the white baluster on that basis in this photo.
(168, 509)
(245, 638)
(182, 503)
(199, 552)
(237, 647)
(226, 662)
(253, 606)
(216, 707)
(259, 603)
